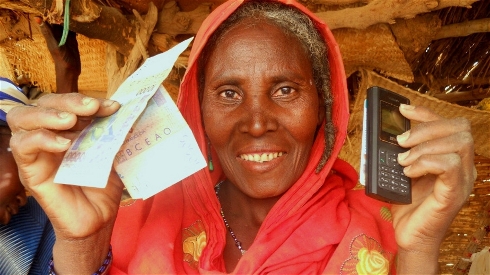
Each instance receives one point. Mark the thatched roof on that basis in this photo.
(456, 69)
(440, 49)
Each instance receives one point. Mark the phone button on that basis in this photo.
(382, 156)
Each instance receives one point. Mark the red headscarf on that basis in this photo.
(318, 226)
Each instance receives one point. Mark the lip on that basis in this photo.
(261, 148)
(261, 167)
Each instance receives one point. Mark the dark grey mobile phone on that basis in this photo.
(385, 180)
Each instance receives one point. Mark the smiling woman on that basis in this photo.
(266, 98)
(264, 109)
(269, 106)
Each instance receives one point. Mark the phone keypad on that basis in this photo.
(390, 176)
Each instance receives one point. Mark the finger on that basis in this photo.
(450, 190)
(59, 112)
(449, 169)
(26, 118)
(107, 107)
(76, 103)
(79, 104)
(28, 147)
(460, 143)
(433, 129)
(418, 113)
(26, 144)
(432, 164)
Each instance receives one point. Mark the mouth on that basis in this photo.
(263, 157)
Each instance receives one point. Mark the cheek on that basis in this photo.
(4, 200)
(304, 124)
(304, 140)
(10, 186)
(217, 124)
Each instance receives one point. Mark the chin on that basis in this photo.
(267, 190)
(5, 219)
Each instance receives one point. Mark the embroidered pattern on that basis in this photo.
(386, 214)
(193, 243)
(367, 257)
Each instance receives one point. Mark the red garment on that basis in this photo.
(318, 226)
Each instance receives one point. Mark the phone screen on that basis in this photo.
(392, 121)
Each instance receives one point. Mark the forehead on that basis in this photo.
(257, 29)
(255, 44)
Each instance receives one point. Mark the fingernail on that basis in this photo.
(87, 100)
(401, 138)
(403, 156)
(62, 140)
(63, 114)
(407, 107)
(108, 103)
(406, 169)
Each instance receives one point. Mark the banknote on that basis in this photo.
(89, 160)
(159, 150)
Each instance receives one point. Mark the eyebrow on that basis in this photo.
(289, 76)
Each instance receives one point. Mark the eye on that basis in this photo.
(283, 91)
(230, 94)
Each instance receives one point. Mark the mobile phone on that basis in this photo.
(385, 179)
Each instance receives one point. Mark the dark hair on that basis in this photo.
(295, 24)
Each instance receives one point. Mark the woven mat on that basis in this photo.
(32, 58)
(373, 48)
(480, 120)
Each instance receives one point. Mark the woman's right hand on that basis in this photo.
(82, 217)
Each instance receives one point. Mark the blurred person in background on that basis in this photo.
(26, 234)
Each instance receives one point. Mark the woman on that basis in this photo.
(270, 113)
(26, 234)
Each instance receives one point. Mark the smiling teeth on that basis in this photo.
(261, 157)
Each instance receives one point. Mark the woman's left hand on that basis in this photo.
(440, 163)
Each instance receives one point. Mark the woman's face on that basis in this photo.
(12, 193)
(260, 108)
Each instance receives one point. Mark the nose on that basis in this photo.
(258, 117)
